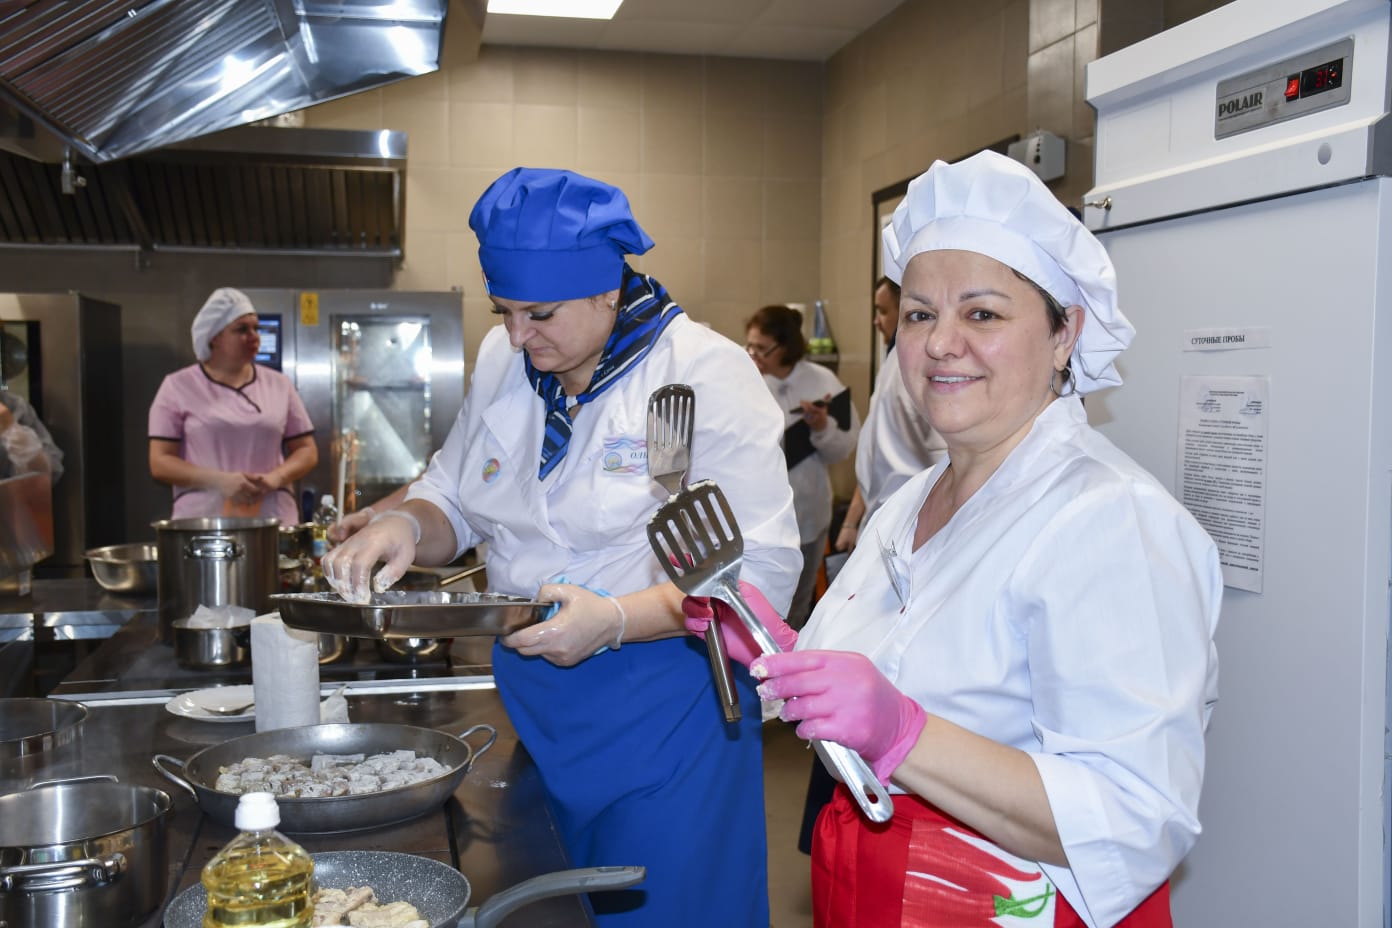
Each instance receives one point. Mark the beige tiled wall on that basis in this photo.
(720, 157)
(754, 177)
(940, 80)
(931, 80)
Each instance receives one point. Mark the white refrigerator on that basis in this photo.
(1241, 191)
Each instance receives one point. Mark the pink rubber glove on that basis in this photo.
(841, 696)
(739, 644)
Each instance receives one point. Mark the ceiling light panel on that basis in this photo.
(568, 9)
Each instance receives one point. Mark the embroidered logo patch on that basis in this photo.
(624, 456)
(491, 469)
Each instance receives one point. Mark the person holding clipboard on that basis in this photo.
(820, 428)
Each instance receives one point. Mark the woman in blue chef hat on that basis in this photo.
(547, 463)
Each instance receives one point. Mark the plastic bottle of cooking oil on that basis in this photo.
(324, 516)
(261, 878)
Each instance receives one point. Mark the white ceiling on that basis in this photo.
(805, 30)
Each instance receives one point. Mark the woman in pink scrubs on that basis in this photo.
(229, 436)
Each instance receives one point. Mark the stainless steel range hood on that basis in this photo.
(249, 189)
(115, 116)
(115, 78)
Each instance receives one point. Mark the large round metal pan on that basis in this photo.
(410, 614)
(330, 814)
(438, 891)
(32, 726)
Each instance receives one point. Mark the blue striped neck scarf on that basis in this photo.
(644, 312)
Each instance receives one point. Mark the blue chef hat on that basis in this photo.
(547, 235)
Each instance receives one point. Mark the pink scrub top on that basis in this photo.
(230, 429)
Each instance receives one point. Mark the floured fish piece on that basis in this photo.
(357, 906)
(327, 775)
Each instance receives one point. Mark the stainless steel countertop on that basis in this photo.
(496, 828)
(134, 660)
(69, 609)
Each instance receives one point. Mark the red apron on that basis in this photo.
(913, 872)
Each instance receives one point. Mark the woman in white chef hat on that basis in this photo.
(1021, 647)
(231, 437)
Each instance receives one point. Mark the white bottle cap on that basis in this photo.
(327, 500)
(257, 812)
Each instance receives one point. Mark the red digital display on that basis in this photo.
(1321, 78)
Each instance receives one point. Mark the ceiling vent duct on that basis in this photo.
(114, 78)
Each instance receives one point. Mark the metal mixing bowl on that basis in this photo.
(336, 648)
(132, 569)
(413, 650)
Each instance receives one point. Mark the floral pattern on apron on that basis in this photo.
(923, 869)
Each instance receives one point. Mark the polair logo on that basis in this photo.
(1236, 106)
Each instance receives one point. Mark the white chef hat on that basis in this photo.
(222, 306)
(995, 206)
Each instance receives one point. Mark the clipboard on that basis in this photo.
(797, 438)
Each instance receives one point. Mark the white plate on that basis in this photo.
(194, 705)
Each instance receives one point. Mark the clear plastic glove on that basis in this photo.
(841, 696)
(350, 525)
(585, 624)
(266, 483)
(348, 566)
(237, 487)
(739, 644)
(22, 445)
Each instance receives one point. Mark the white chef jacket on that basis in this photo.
(810, 479)
(1067, 610)
(588, 519)
(896, 443)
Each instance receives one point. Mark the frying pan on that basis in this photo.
(437, 890)
(330, 814)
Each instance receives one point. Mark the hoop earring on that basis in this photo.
(1070, 383)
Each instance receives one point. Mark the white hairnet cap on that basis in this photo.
(995, 206)
(222, 306)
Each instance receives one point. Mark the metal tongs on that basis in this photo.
(671, 421)
(698, 543)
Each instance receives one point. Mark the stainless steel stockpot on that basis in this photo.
(215, 562)
(82, 853)
(211, 648)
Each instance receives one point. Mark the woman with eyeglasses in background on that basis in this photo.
(819, 429)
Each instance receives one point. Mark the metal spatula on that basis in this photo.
(699, 544)
(671, 421)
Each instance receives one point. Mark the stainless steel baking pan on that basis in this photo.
(410, 614)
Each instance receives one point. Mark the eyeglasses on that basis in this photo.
(760, 351)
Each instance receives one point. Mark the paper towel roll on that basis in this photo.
(284, 674)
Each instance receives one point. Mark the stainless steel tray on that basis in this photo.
(410, 614)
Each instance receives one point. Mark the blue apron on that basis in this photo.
(642, 769)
